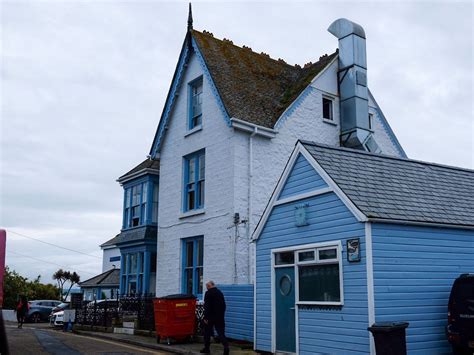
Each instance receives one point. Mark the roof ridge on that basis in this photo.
(263, 54)
(385, 156)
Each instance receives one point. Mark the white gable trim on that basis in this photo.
(332, 184)
(300, 149)
(317, 192)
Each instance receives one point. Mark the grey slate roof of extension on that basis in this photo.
(109, 278)
(148, 164)
(384, 187)
(110, 242)
(137, 234)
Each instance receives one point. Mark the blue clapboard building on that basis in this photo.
(350, 238)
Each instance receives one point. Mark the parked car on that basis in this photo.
(40, 310)
(57, 314)
(102, 304)
(60, 307)
(460, 329)
(57, 319)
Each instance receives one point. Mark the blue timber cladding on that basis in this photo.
(414, 269)
(239, 312)
(303, 178)
(320, 329)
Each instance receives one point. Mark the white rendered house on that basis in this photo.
(230, 122)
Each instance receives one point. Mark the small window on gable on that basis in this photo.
(195, 103)
(327, 109)
(371, 121)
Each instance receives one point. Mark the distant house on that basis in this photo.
(110, 254)
(350, 238)
(103, 286)
(137, 239)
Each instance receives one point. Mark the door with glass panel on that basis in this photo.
(285, 334)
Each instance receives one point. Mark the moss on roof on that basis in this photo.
(253, 86)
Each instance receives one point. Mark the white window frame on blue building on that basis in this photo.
(192, 265)
(194, 172)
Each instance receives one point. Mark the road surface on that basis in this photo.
(42, 339)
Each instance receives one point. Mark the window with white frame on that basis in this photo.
(195, 103)
(328, 109)
(319, 273)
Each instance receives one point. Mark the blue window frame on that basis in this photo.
(140, 204)
(194, 181)
(195, 103)
(193, 252)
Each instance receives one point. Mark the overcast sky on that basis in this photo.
(84, 83)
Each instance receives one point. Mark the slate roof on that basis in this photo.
(391, 188)
(109, 278)
(110, 242)
(145, 233)
(146, 164)
(254, 87)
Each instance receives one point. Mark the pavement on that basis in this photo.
(43, 339)
(177, 348)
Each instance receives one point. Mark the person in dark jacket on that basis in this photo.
(22, 309)
(214, 313)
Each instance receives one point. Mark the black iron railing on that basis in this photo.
(110, 312)
(113, 312)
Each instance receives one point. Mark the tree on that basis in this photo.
(62, 277)
(74, 278)
(15, 285)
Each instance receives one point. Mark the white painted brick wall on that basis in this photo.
(227, 178)
(106, 255)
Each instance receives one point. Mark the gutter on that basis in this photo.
(253, 128)
(419, 223)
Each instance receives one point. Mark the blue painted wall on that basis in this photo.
(239, 312)
(414, 269)
(342, 330)
(303, 178)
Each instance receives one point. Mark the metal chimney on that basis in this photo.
(352, 77)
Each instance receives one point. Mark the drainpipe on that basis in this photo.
(249, 212)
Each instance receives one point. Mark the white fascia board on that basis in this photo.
(370, 282)
(276, 192)
(324, 69)
(253, 128)
(294, 198)
(361, 217)
(299, 148)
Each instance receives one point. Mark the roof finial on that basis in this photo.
(190, 18)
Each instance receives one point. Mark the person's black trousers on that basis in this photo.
(220, 330)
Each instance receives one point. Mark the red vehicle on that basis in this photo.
(460, 329)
